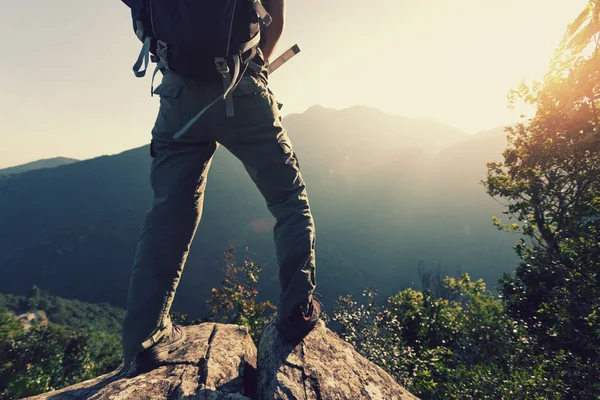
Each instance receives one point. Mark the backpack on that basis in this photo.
(205, 40)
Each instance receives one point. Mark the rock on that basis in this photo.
(322, 366)
(220, 362)
(217, 362)
(32, 318)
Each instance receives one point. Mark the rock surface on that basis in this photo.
(322, 366)
(217, 362)
(30, 319)
(220, 362)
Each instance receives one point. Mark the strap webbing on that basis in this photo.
(227, 81)
(229, 84)
(143, 58)
(192, 121)
(157, 334)
(158, 67)
(262, 12)
(250, 43)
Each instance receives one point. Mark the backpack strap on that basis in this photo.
(250, 44)
(143, 58)
(192, 121)
(229, 84)
(262, 12)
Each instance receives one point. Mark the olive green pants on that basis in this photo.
(178, 178)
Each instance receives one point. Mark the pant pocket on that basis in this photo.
(170, 112)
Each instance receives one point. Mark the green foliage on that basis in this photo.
(466, 348)
(74, 313)
(44, 358)
(236, 301)
(550, 179)
(81, 341)
(9, 326)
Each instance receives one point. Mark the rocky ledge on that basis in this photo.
(221, 362)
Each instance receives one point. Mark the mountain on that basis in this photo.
(40, 164)
(387, 192)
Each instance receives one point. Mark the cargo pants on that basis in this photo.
(255, 136)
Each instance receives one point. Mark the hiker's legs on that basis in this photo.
(178, 178)
(257, 138)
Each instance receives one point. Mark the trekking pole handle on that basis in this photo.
(283, 58)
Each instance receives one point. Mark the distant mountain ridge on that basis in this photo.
(39, 164)
(360, 125)
(386, 193)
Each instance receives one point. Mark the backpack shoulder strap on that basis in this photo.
(143, 58)
(137, 15)
(262, 12)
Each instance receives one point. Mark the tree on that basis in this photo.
(10, 327)
(52, 355)
(32, 363)
(550, 181)
(465, 348)
(236, 301)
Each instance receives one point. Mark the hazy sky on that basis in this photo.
(66, 87)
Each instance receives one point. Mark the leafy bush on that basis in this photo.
(48, 357)
(80, 341)
(550, 182)
(236, 301)
(467, 348)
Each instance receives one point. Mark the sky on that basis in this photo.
(66, 86)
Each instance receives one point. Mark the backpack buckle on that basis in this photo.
(222, 67)
(262, 12)
(228, 83)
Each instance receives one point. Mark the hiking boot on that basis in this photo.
(158, 354)
(302, 320)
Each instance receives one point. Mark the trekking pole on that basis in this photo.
(283, 58)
